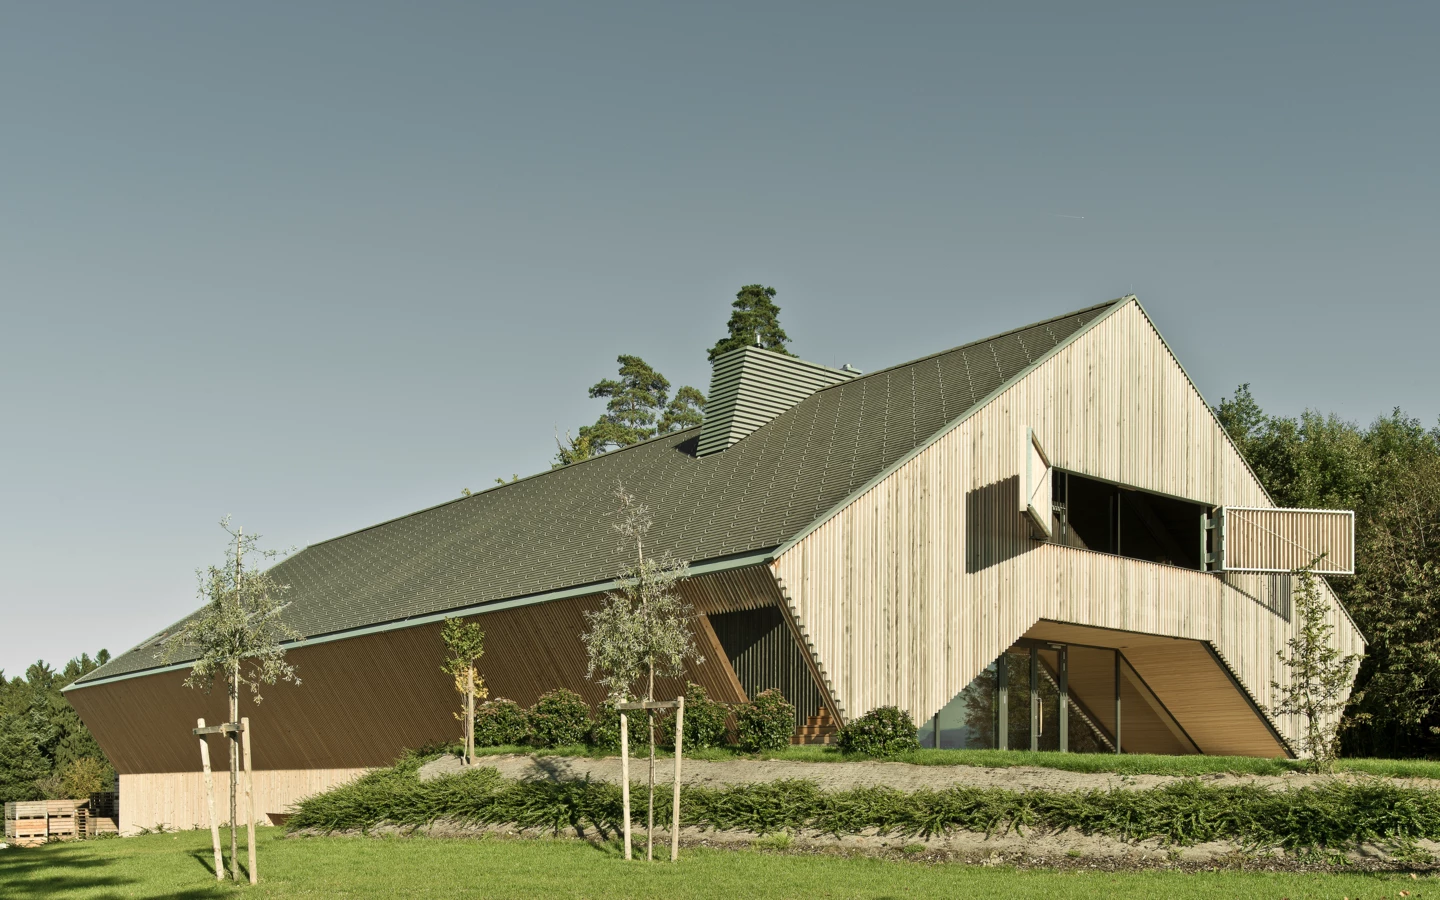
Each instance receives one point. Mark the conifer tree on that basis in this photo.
(638, 406)
(754, 323)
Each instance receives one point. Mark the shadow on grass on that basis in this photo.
(50, 871)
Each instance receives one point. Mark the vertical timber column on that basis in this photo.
(1117, 701)
(1063, 657)
(935, 731)
(1034, 698)
(1002, 705)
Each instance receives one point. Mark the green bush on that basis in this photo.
(605, 727)
(1333, 815)
(704, 721)
(767, 722)
(499, 722)
(559, 718)
(884, 731)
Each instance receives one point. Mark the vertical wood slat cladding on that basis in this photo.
(365, 699)
(177, 799)
(916, 585)
(1287, 539)
(764, 655)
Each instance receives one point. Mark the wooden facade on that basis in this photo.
(918, 582)
(365, 699)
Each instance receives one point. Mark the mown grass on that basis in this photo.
(177, 866)
(1331, 815)
(1124, 764)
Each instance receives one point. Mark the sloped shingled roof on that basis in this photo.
(552, 531)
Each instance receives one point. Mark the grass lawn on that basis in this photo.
(1126, 764)
(178, 866)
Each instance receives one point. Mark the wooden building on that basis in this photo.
(1040, 539)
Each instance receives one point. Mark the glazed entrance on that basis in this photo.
(1070, 698)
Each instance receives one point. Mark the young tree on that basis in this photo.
(754, 323)
(465, 643)
(236, 638)
(643, 628)
(1320, 676)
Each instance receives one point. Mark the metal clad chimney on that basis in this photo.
(750, 386)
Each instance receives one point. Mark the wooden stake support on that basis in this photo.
(678, 705)
(249, 798)
(675, 815)
(624, 781)
(201, 731)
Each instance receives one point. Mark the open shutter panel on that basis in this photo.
(1035, 482)
(1281, 540)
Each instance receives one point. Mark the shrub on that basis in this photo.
(766, 722)
(1332, 816)
(704, 721)
(559, 719)
(605, 727)
(884, 731)
(499, 722)
(84, 776)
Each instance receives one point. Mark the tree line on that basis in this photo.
(46, 752)
(1389, 473)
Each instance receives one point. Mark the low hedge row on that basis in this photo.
(1333, 815)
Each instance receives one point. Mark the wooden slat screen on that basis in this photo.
(1281, 540)
(1037, 484)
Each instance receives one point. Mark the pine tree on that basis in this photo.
(638, 406)
(754, 323)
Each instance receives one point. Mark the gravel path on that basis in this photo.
(843, 776)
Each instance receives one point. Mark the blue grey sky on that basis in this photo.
(319, 264)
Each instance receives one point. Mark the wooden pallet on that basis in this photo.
(62, 815)
(102, 814)
(27, 823)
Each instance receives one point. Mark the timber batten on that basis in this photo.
(923, 579)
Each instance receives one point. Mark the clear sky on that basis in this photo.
(320, 264)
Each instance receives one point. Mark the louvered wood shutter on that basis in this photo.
(1254, 539)
(1035, 486)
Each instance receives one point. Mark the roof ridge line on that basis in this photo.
(984, 340)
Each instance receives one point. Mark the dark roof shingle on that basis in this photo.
(552, 531)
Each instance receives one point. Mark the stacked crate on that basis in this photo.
(27, 823)
(62, 819)
(103, 814)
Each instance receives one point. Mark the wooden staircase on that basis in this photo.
(818, 729)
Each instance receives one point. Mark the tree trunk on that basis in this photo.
(234, 773)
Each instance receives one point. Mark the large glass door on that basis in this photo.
(1041, 695)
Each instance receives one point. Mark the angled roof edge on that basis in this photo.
(1233, 446)
(956, 422)
(722, 564)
